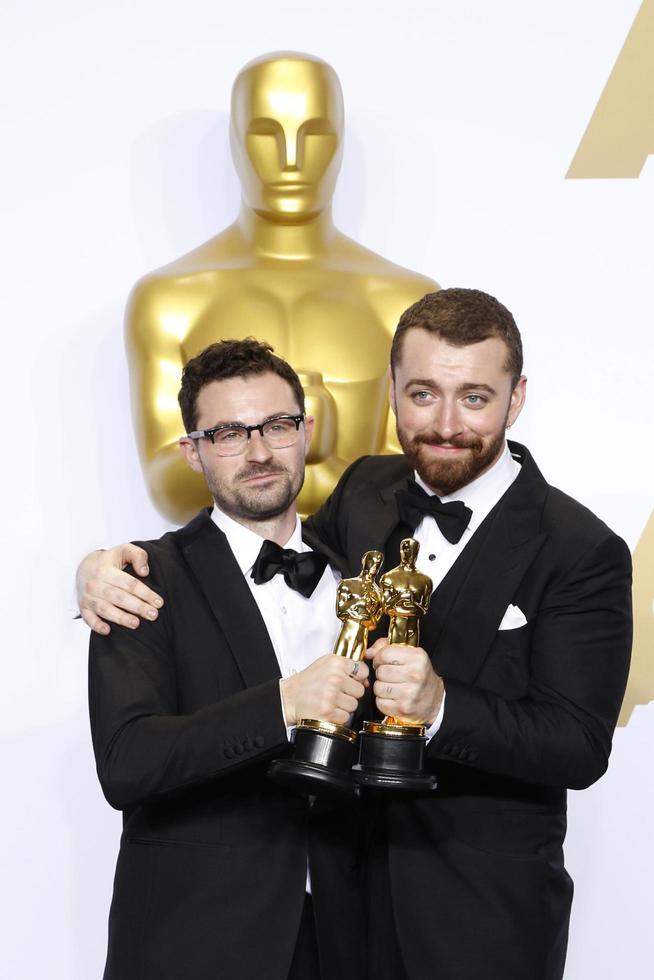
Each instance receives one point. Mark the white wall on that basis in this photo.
(462, 121)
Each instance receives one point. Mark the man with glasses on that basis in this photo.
(212, 876)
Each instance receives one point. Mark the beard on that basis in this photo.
(255, 502)
(446, 476)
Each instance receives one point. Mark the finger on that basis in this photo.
(377, 646)
(126, 582)
(107, 611)
(393, 673)
(387, 707)
(120, 599)
(394, 654)
(381, 689)
(339, 717)
(95, 623)
(136, 557)
(355, 691)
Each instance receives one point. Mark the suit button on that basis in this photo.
(238, 749)
(472, 756)
(247, 745)
(455, 750)
(447, 748)
(463, 754)
(229, 753)
(259, 741)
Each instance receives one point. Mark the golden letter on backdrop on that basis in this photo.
(281, 273)
(620, 134)
(640, 687)
(618, 140)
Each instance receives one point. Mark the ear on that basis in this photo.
(518, 396)
(391, 392)
(189, 450)
(309, 423)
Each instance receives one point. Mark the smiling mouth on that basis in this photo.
(440, 448)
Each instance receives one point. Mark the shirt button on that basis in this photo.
(432, 557)
(284, 609)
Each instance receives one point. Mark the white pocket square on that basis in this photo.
(513, 618)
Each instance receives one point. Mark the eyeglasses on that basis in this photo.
(231, 439)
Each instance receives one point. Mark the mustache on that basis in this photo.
(436, 439)
(257, 469)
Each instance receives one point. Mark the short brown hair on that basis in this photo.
(231, 359)
(462, 317)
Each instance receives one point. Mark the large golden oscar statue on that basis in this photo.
(282, 273)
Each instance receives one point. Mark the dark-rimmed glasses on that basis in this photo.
(231, 438)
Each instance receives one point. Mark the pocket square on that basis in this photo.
(513, 618)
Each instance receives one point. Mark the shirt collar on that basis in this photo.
(246, 544)
(483, 493)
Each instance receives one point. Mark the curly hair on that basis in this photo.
(231, 359)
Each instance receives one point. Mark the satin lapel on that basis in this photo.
(218, 575)
(510, 546)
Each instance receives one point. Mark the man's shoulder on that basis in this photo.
(566, 515)
(378, 470)
(561, 517)
(168, 550)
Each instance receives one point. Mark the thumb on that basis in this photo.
(131, 554)
(378, 645)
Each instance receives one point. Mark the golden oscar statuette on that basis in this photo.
(324, 752)
(391, 751)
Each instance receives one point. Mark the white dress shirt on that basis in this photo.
(300, 629)
(437, 554)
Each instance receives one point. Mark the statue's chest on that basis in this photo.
(318, 323)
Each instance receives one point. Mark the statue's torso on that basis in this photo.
(333, 314)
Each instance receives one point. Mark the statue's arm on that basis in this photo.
(154, 336)
(401, 293)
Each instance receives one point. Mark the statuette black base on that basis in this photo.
(392, 761)
(321, 762)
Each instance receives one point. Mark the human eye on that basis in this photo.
(279, 426)
(421, 396)
(474, 400)
(228, 435)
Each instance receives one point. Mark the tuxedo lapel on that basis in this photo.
(510, 540)
(219, 577)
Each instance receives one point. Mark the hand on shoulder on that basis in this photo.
(108, 594)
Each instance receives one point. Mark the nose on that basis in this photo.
(256, 450)
(447, 422)
(291, 139)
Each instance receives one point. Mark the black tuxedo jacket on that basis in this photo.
(475, 869)
(186, 715)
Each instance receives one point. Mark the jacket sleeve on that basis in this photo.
(560, 733)
(144, 747)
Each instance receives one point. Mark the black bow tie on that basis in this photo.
(301, 570)
(452, 519)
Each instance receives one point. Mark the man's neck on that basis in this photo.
(299, 241)
(278, 529)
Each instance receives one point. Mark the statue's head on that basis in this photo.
(371, 563)
(409, 551)
(287, 135)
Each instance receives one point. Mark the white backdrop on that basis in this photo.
(462, 120)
